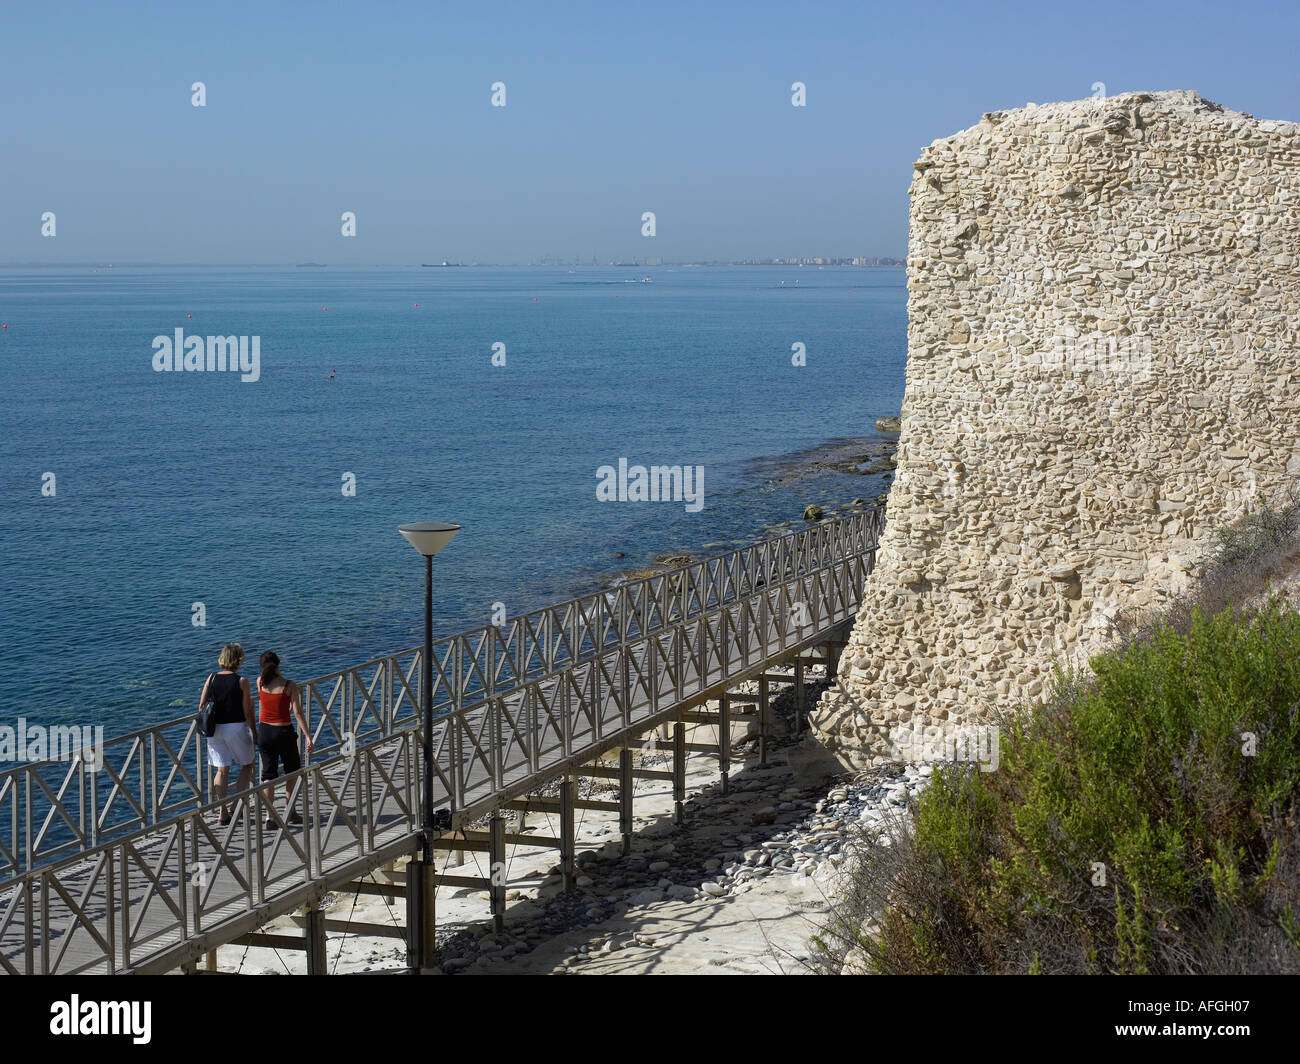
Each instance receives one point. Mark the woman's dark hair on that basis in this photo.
(270, 663)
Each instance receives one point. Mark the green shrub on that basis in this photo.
(1141, 820)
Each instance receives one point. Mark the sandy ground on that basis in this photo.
(765, 929)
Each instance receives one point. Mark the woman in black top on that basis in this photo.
(233, 741)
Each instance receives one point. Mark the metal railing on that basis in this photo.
(552, 685)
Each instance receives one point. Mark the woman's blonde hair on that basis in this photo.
(231, 656)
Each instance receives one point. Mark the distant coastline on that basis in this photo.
(892, 264)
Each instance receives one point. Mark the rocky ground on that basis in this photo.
(739, 887)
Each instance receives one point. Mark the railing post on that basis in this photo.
(110, 923)
(495, 710)
(92, 789)
(308, 784)
(597, 699)
(652, 644)
(27, 826)
(125, 891)
(679, 659)
(152, 746)
(457, 723)
(43, 931)
(624, 656)
(347, 713)
(566, 683)
(532, 696)
(698, 659)
(368, 819)
(386, 702)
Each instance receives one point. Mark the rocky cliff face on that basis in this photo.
(1103, 359)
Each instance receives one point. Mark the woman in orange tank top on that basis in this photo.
(280, 703)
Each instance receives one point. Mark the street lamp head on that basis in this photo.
(428, 537)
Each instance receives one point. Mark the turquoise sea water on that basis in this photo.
(179, 488)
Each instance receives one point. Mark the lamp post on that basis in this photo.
(427, 537)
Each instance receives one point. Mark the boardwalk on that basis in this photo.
(121, 865)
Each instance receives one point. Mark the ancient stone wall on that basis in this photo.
(1103, 360)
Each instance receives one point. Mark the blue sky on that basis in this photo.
(612, 109)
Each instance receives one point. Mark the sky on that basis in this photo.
(612, 109)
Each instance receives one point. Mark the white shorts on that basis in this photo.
(232, 744)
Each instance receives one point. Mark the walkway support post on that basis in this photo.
(314, 934)
(679, 772)
(625, 798)
(833, 652)
(724, 740)
(764, 718)
(798, 693)
(421, 891)
(497, 869)
(568, 835)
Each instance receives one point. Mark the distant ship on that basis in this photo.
(437, 264)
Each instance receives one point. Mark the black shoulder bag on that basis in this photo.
(207, 715)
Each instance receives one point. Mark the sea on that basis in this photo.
(149, 515)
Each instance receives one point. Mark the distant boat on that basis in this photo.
(438, 264)
(645, 280)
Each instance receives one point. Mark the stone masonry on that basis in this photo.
(1103, 353)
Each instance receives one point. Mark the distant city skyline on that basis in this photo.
(261, 134)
